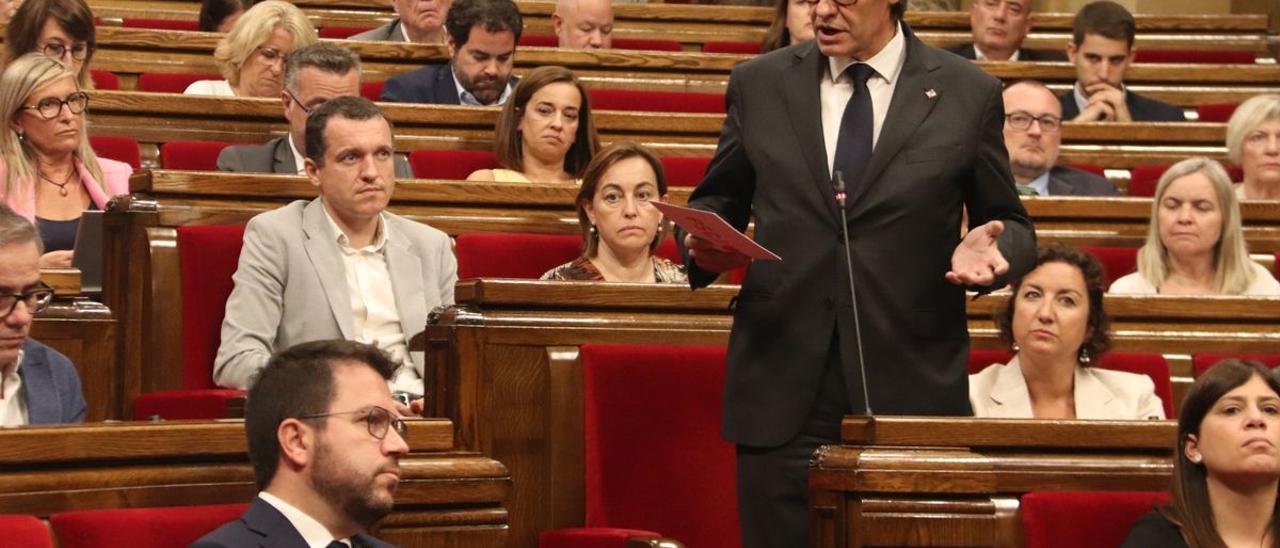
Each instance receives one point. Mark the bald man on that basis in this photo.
(583, 24)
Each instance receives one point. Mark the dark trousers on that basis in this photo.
(773, 482)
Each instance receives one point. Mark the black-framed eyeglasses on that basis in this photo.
(79, 51)
(1021, 121)
(305, 109)
(36, 299)
(378, 420)
(50, 107)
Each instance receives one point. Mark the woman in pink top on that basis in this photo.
(48, 172)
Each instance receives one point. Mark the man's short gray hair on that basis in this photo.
(323, 56)
(16, 229)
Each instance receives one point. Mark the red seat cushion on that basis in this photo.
(645, 44)
(161, 82)
(450, 164)
(105, 80)
(1116, 261)
(1091, 168)
(174, 527)
(25, 531)
(1143, 180)
(1198, 56)
(656, 101)
(160, 24)
(179, 405)
(684, 171)
(372, 90)
(1151, 365)
(1072, 519)
(591, 537)
(209, 255)
(539, 41)
(1216, 112)
(740, 48)
(191, 155)
(120, 149)
(654, 456)
(981, 359)
(511, 255)
(340, 33)
(1202, 362)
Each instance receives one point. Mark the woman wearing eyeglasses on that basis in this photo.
(50, 174)
(60, 29)
(251, 56)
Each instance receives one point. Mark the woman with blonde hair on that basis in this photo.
(1195, 243)
(50, 174)
(60, 29)
(251, 56)
(1253, 143)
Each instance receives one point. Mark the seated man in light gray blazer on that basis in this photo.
(312, 75)
(339, 266)
(417, 21)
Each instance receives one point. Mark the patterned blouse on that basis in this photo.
(581, 269)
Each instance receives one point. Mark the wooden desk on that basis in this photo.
(910, 481)
(84, 331)
(445, 498)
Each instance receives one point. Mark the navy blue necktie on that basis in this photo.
(853, 146)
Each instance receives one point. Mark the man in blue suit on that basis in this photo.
(38, 385)
(325, 438)
(482, 48)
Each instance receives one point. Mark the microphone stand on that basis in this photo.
(837, 180)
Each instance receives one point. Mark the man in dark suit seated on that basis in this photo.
(312, 76)
(417, 21)
(1101, 47)
(325, 438)
(999, 27)
(482, 49)
(1033, 135)
(38, 385)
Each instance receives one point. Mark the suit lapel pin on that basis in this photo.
(930, 93)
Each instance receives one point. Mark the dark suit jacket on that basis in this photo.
(1069, 181)
(432, 85)
(1141, 108)
(50, 385)
(264, 526)
(1024, 54)
(274, 156)
(389, 32)
(937, 153)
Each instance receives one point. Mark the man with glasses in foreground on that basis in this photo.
(38, 385)
(1033, 135)
(312, 75)
(325, 442)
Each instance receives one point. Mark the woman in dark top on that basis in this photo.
(1227, 464)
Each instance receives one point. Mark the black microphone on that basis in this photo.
(837, 180)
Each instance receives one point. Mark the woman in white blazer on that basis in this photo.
(1056, 325)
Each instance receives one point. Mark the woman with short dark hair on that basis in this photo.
(60, 29)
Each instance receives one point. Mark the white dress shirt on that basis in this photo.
(837, 87)
(314, 533)
(297, 160)
(220, 88)
(13, 406)
(374, 317)
(466, 98)
(978, 55)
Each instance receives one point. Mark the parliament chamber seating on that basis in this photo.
(981, 358)
(1152, 365)
(1202, 362)
(1070, 519)
(638, 44)
(25, 531)
(104, 80)
(656, 101)
(340, 33)
(684, 171)
(736, 48)
(120, 149)
(508, 255)
(595, 537)
(165, 82)
(372, 90)
(1144, 179)
(191, 155)
(1116, 262)
(1216, 112)
(1193, 56)
(450, 164)
(160, 24)
(168, 527)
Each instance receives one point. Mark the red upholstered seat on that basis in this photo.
(981, 359)
(513, 255)
(340, 33)
(25, 531)
(591, 537)
(160, 24)
(120, 149)
(1143, 180)
(1091, 168)
(104, 80)
(208, 255)
(1202, 362)
(372, 90)
(539, 41)
(654, 456)
(1216, 112)
(685, 171)
(1197, 56)
(1073, 519)
(163, 82)
(740, 48)
(191, 155)
(645, 44)
(1116, 261)
(172, 527)
(1151, 365)
(450, 164)
(656, 101)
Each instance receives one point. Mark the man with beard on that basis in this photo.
(325, 440)
(482, 48)
(1033, 133)
(417, 21)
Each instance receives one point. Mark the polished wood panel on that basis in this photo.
(85, 332)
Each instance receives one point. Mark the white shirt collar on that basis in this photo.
(400, 27)
(313, 532)
(1041, 183)
(887, 63)
(344, 243)
(979, 56)
(466, 98)
(298, 161)
(17, 364)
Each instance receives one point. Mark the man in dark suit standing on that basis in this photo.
(999, 28)
(1101, 48)
(325, 438)
(1033, 135)
(915, 133)
(482, 49)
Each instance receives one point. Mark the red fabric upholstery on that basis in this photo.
(1143, 179)
(1216, 112)
(180, 405)
(539, 41)
(1091, 168)
(450, 164)
(160, 24)
(1276, 272)
(591, 537)
(1116, 261)
(104, 80)
(191, 155)
(685, 171)
(740, 48)
(340, 33)
(1072, 519)
(1202, 362)
(372, 90)
(654, 456)
(161, 82)
(1151, 365)
(120, 149)
(981, 359)
(174, 527)
(1198, 56)
(656, 101)
(1235, 172)
(25, 531)
(511, 255)
(645, 44)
